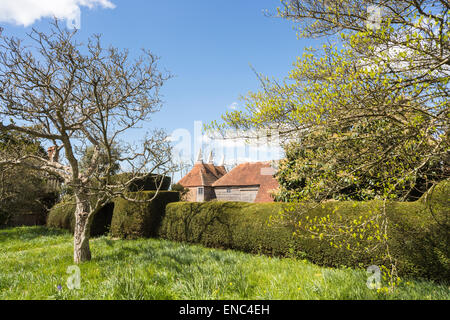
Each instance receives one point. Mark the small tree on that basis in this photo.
(78, 97)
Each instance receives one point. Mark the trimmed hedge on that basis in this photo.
(62, 216)
(233, 225)
(133, 220)
(121, 218)
(418, 238)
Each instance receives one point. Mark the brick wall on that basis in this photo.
(29, 219)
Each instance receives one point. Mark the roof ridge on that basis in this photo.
(246, 173)
(203, 174)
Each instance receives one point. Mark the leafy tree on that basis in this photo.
(81, 96)
(367, 116)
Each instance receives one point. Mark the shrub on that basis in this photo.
(421, 233)
(133, 219)
(62, 216)
(417, 240)
(182, 190)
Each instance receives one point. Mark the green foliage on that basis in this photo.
(324, 166)
(122, 218)
(428, 230)
(231, 225)
(400, 237)
(182, 190)
(140, 219)
(416, 240)
(62, 216)
(21, 144)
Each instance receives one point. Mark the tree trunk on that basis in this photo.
(81, 250)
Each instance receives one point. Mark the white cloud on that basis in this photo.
(26, 12)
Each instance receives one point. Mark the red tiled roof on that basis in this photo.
(202, 174)
(251, 174)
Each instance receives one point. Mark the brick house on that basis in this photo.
(200, 179)
(248, 182)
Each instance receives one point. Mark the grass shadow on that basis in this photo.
(29, 233)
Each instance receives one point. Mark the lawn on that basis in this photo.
(34, 261)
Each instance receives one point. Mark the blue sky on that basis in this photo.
(208, 45)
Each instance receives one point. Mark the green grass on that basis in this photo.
(34, 261)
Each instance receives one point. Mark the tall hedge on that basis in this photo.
(62, 216)
(140, 219)
(120, 217)
(418, 237)
(234, 225)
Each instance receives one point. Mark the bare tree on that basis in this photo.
(78, 96)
